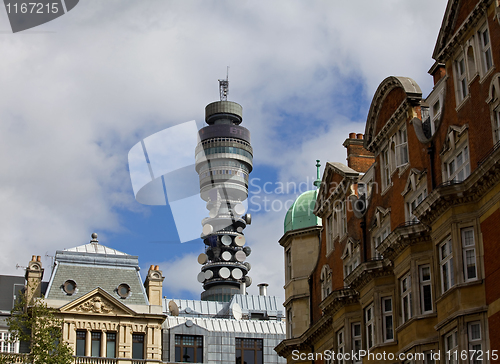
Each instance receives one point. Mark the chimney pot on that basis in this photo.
(243, 288)
(152, 267)
(263, 289)
(157, 267)
(352, 135)
(359, 136)
(33, 258)
(38, 258)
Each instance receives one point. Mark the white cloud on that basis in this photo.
(75, 100)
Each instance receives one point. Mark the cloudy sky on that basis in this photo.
(79, 92)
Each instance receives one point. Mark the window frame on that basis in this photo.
(369, 326)
(423, 284)
(356, 339)
(135, 340)
(401, 148)
(450, 359)
(379, 237)
(83, 337)
(108, 341)
(385, 168)
(288, 262)
(386, 314)
(406, 295)
(473, 343)
(6, 346)
(461, 79)
(486, 53)
(465, 250)
(451, 176)
(258, 347)
(340, 335)
(329, 233)
(446, 262)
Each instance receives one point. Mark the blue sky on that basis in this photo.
(79, 92)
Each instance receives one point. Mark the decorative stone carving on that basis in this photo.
(96, 305)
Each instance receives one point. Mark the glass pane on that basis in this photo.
(388, 305)
(249, 357)
(137, 350)
(388, 328)
(111, 349)
(96, 348)
(80, 347)
(177, 354)
(426, 274)
(427, 298)
(475, 332)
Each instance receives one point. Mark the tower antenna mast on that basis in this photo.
(224, 86)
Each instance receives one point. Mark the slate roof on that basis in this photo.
(94, 265)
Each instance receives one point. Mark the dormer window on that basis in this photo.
(69, 287)
(123, 290)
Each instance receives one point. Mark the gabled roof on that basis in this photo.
(97, 301)
(449, 33)
(413, 94)
(324, 194)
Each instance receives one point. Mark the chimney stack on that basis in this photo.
(154, 285)
(358, 158)
(34, 275)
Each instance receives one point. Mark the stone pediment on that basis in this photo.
(98, 302)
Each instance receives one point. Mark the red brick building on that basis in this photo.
(408, 254)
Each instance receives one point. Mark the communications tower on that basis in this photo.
(223, 163)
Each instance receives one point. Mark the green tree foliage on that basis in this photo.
(37, 325)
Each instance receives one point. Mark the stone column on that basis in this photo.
(104, 340)
(88, 343)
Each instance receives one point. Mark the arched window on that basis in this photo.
(326, 281)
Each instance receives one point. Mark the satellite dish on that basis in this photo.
(247, 250)
(207, 229)
(226, 240)
(240, 240)
(189, 323)
(239, 209)
(213, 213)
(248, 265)
(188, 310)
(237, 273)
(240, 256)
(201, 277)
(239, 229)
(173, 308)
(224, 272)
(202, 258)
(208, 274)
(236, 311)
(248, 281)
(226, 256)
(248, 219)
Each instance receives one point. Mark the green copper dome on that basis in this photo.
(300, 214)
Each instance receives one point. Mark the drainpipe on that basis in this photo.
(363, 228)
